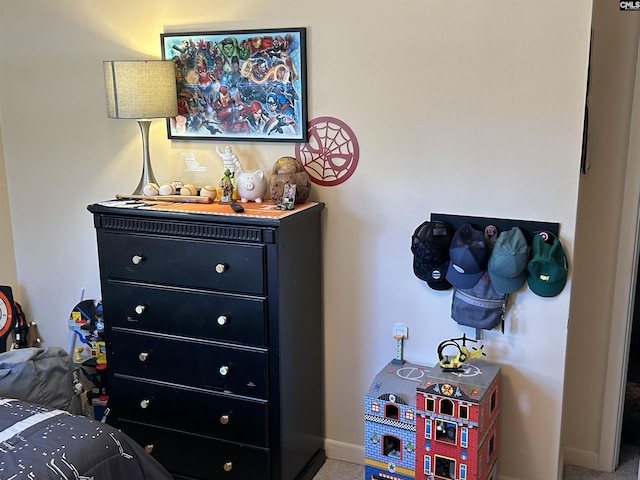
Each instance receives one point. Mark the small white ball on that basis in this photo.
(167, 189)
(188, 190)
(208, 191)
(151, 189)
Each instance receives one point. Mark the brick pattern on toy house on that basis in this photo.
(456, 430)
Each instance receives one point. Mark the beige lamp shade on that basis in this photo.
(140, 89)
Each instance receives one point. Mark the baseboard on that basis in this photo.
(581, 458)
(346, 452)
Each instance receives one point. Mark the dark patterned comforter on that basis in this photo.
(39, 443)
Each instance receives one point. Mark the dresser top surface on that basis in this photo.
(264, 213)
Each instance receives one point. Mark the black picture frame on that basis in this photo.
(244, 85)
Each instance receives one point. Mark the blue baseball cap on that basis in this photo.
(468, 257)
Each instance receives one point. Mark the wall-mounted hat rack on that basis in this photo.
(528, 227)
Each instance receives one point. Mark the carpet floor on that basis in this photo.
(627, 469)
(631, 415)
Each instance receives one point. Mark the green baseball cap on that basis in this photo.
(508, 261)
(548, 268)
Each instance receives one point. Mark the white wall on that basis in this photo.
(597, 308)
(8, 274)
(470, 108)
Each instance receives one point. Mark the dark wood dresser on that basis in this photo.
(213, 326)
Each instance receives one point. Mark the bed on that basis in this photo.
(37, 442)
(41, 439)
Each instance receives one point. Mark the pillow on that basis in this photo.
(46, 376)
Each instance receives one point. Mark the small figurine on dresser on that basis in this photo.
(226, 185)
(229, 159)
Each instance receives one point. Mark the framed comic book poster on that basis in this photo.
(247, 85)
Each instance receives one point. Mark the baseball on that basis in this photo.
(151, 189)
(167, 189)
(188, 190)
(208, 191)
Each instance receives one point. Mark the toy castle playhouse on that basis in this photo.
(429, 424)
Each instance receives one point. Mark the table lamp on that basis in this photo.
(142, 90)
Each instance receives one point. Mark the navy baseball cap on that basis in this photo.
(430, 246)
(468, 257)
(508, 262)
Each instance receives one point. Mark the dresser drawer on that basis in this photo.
(213, 415)
(199, 263)
(224, 317)
(201, 458)
(241, 371)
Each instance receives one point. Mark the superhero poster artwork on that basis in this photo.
(239, 85)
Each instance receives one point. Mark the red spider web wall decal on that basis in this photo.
(331, 155)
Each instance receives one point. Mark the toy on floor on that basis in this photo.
(78, 356)
(86, 325)
(432, 423)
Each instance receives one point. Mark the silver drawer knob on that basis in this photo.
(137, 259)
(143, 356)
(145, 403)
(222, 320)
(224, 370)
(140, 309)
(221, 268)
(224, 419)
(228, 466)
(148, 448)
